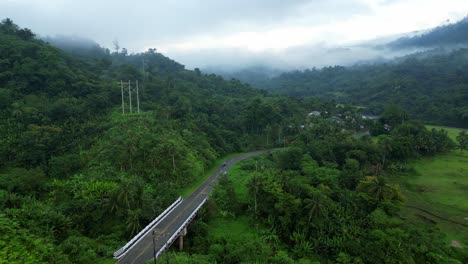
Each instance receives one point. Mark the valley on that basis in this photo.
(349, 172)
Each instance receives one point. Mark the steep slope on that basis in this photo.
(432, 86)
(444, 36)
(77, 176)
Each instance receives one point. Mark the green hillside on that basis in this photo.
(78, 178)
(432, 86)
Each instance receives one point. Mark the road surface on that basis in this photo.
(143, 251)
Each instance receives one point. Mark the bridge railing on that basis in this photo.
(179, 230)
(123, 250)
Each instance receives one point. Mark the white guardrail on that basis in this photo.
(176, 234)
(123, 250)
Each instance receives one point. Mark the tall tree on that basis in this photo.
(462, 139)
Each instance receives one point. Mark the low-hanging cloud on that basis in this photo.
(296, 33)
(141, 23)
(301, 57)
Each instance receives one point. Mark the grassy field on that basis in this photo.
(437, 192)
(240, 178)
(192, 187)
(452, 132)
(237, 229)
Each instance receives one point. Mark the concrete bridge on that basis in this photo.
(161, 233)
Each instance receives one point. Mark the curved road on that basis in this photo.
(143, 251)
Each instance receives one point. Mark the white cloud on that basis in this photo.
(186, 29)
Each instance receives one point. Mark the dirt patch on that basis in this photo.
(425, 219)
(456, 244)
(435, 215)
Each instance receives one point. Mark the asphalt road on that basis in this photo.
(143, 250)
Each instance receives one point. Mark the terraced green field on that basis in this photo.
(437, 192)
(451, 131)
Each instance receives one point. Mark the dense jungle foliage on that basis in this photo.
(432, 86)
(328, 198)
(78, 178)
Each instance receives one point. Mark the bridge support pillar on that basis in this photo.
(181, 239)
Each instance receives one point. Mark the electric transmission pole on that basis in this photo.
(130, 95)
(122, 90)
(138, 97)
(130, 90)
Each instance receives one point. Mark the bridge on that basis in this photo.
(161, 233)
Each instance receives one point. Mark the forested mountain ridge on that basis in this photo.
(455, 34)
(257, 76)
(78, 178)
(432, 86)
(431, 83)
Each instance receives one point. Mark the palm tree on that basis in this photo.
(377, 189)
(386, 145)
(270, 236)
(133, 221)
(124, 192)
(302, 247)
(316, 204)
(254, 186)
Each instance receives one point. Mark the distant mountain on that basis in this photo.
(257, 76)
(377, 51)
(424, 72)
(455, 34)
(431, 85)
(62, 125)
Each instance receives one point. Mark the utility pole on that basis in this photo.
(154, 249)
(122, 90)
(130, 95)
(138, 97)
(127, 88)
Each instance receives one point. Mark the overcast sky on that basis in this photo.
(200, 33)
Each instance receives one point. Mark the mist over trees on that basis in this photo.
(431, 85)
(78, 178)
(451, 35)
